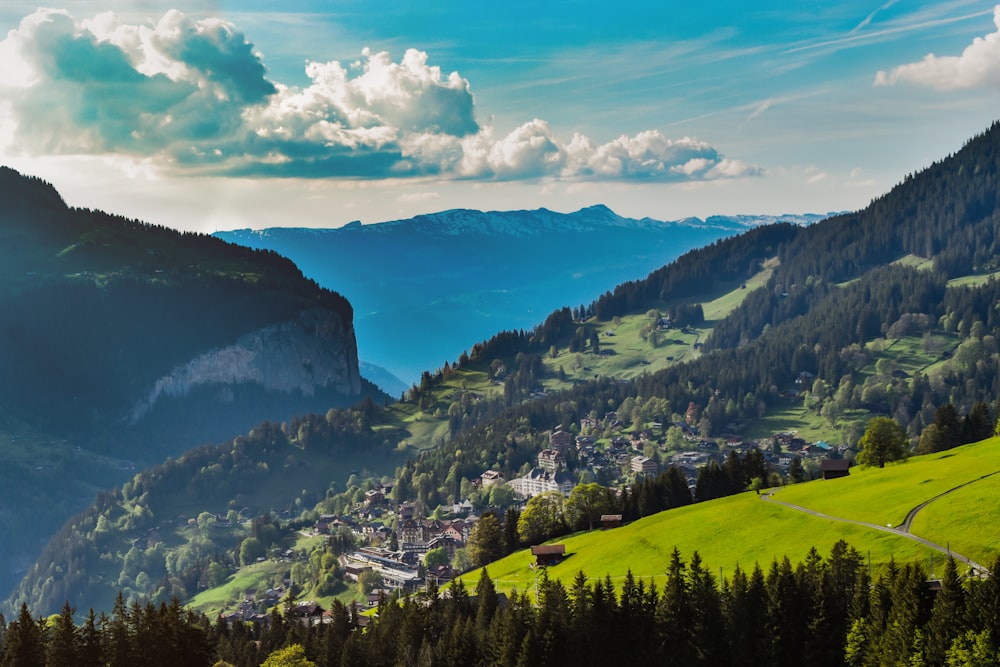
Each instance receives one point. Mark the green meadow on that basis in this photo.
(885, 495)
(745, 530)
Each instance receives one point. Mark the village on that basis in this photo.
(399, 550)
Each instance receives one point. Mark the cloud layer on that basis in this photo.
(195, 96)
(977, 67)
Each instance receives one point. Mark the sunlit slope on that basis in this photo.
(885, 495)
(740, 530)
(744, 530)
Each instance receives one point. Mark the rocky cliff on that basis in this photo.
(316, 351)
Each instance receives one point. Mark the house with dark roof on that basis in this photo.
(548, 554)
(834, 468)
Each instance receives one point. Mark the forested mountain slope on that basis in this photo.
(452, 278)
(887, 326)
(123, 343)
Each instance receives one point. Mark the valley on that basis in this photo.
(750, 363)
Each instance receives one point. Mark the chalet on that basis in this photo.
(560, 439)
(410, 532)
(439, 574)
(643, 465)
(548, 554)
(609, 521)
(448, 543)
(804, 377)
(491, 477)
(552, 459)
(834, 468)
(455, 530)
(307, 613)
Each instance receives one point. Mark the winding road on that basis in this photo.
(902, 530)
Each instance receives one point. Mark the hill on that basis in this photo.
(444, 281)
(746, 529)
(767, 331)
(125, 343)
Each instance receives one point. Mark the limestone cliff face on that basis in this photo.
(316, 351)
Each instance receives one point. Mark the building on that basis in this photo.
(540, 481)
(834, 468)
(548, 554)
(643, 465)
(491, 477)
(560, 439)
(552, 460)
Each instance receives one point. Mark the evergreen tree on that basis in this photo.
(947, 615)
(796, 473)
(64, 642)
(674, 618)
(91, 653)
(24, 643)
(486, 541)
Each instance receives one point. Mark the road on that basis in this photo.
(902, 530)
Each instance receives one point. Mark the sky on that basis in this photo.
(206, 116)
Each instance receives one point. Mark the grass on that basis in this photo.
(739, 531)
(806, 423)
(885, 495)
(744, 530)
(967, 521)
(971, 281)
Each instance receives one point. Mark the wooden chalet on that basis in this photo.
(609, 521)
(834, 468)
(548, 554)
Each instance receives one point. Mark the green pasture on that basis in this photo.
(966, 520)
(741, 530)
(885, 495)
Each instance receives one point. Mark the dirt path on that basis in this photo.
(902, 530)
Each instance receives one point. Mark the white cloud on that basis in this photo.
(977, 67)
(194, 96)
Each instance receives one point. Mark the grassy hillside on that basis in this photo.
(745, 529)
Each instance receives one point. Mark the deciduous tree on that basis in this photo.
(884, 440)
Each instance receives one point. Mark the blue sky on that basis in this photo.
(209, 115)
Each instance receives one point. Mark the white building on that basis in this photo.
(540, 481)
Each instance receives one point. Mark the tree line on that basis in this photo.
(821, 611)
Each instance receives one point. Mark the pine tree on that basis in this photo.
(947, 615)
(486, 602)
(24, 643)
(91, 652)
(674, 619)
(64, 643)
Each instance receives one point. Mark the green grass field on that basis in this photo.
(885, 495)
(741, 530)
(744, 530)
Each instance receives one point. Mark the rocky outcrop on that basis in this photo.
(317, 351)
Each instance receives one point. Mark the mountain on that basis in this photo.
(428, 287)
(123, 343)
(890, 311)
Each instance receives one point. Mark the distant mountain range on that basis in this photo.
(427, 288)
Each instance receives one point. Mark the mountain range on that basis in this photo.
(426, 288)
(890, 310)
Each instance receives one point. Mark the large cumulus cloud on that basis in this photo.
(977, 67)
(195, 96)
